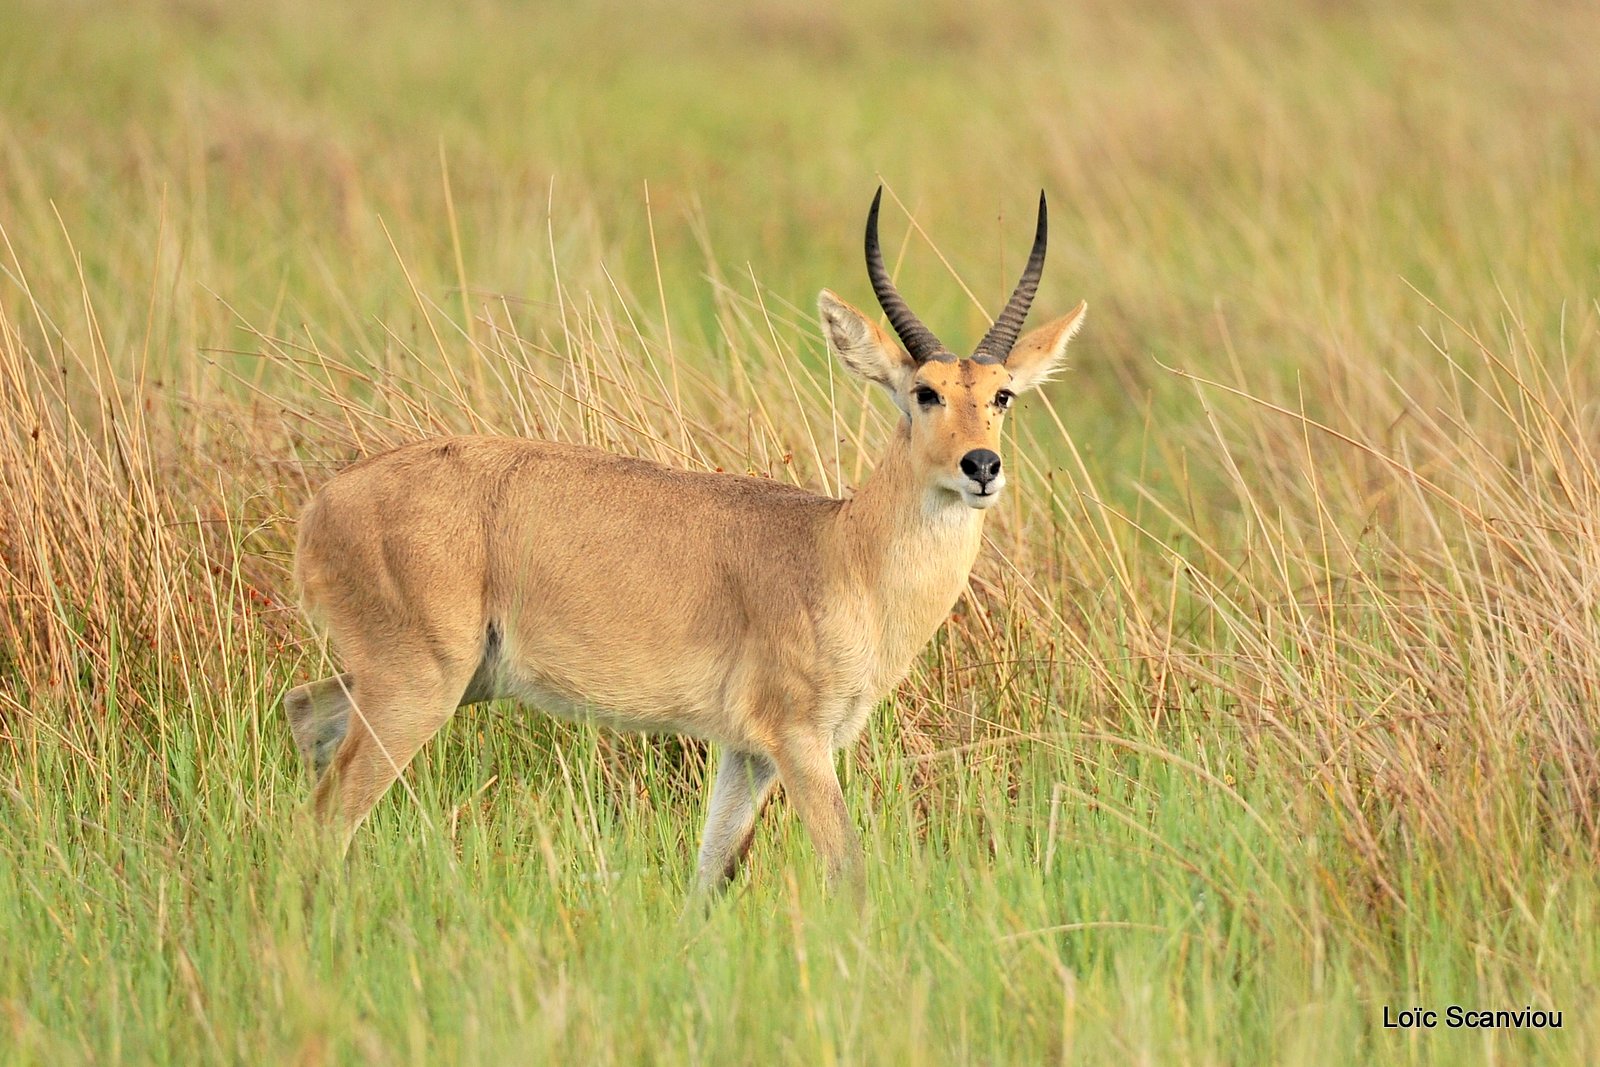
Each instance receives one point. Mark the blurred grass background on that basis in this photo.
(1272, 702)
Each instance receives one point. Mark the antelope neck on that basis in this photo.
(898, 520)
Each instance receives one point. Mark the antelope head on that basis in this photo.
(953, 406)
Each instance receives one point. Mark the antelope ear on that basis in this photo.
(862, 346)
(1038, 355)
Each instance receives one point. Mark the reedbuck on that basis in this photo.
(762, 617)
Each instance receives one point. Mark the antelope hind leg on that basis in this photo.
(319, 718)
(393, 717)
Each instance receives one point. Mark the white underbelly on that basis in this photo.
(702, 722)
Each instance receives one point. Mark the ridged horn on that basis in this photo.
(1002, 336)
(918, 339)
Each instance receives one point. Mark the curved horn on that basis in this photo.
(918, 339)
(997, 343)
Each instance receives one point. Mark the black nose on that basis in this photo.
(981, 465)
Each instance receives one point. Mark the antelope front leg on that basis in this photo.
(744, 782)
(805, 766)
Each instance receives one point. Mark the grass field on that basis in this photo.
(1273, 703)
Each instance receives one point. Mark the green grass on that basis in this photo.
(1272, 702)
(1081, 897)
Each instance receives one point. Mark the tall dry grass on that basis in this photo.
(1397, 598)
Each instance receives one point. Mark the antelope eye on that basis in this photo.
(1003, 399)
(925, 396)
